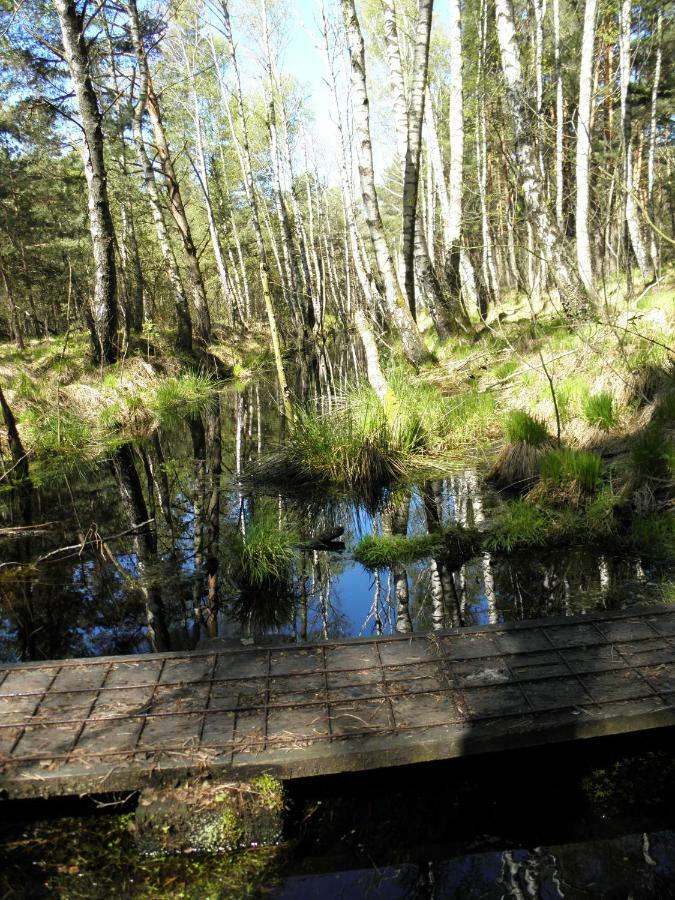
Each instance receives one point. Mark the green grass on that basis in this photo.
(51, 432)
(173, 394)
(600, 410)
(521, 427)
(577, 470)
(652, 454)
(269, 548)
(384, 551)
(363, 444)
(571, 394)
(519, 524)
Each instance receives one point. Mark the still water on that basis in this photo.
(79, 584)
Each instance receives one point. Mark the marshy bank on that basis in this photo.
(528, 471)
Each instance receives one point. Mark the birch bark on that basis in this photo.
(104, 300)
(411, 339)
(583, 159)
(574, 296)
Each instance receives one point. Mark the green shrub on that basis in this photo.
(521, 427)
(599, 410)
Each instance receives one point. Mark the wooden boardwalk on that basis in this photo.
(94, 725)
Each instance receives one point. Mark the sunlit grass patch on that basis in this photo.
(384, 551)
(521, 426)
(570, 473)
(174, 394)
(600, 410)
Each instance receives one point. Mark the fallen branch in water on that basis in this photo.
(90, 539)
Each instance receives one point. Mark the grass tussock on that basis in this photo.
(384, 551)
(600, 410)
(517, 466)
(362, 444)
(569, 475)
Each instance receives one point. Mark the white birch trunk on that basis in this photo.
(413, 345)
(651, 153)
(632, 219)
(574, 297)
(583, 160)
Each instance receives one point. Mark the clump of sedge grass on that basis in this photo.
(362, 444)
(521, 427)
(268, 549)
(173, 394)
(384, 551)
(600, 410)
(568, 476)
(519, 524)
(517, 466)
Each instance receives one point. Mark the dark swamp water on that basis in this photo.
(584, 821)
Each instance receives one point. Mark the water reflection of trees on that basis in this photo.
(168, 584)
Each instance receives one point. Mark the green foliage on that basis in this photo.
(599, 410)
(570, 395)
(171, 395)
(269, 547)
(652, 454)
(470, 417)
(57, 432)
(571, 469)
(384, 551)
(521, 427)
(653, 534)
(363, 444)
(519, 524)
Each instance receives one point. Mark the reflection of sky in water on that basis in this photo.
(637, 865)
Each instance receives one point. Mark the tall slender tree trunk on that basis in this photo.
(411, 171)
(244, 154)
(574, 296)
(176, 205)
(104, 301)
(583, 160)
(559, 120)
(399, 310)
(651, 153)
(226, 290)
(184, 339)
(633, 223)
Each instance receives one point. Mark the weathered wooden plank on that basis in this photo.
(298, 710)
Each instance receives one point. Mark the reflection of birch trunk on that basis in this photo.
(145, 545)
(486, 558)
(212, 543)
(199, 453)
(440, 574)
(395, 521)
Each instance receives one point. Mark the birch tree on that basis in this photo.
(104, 300)
(413, 345)
(574, 296)
(176, 204)
(633, 224)
(583, 159)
